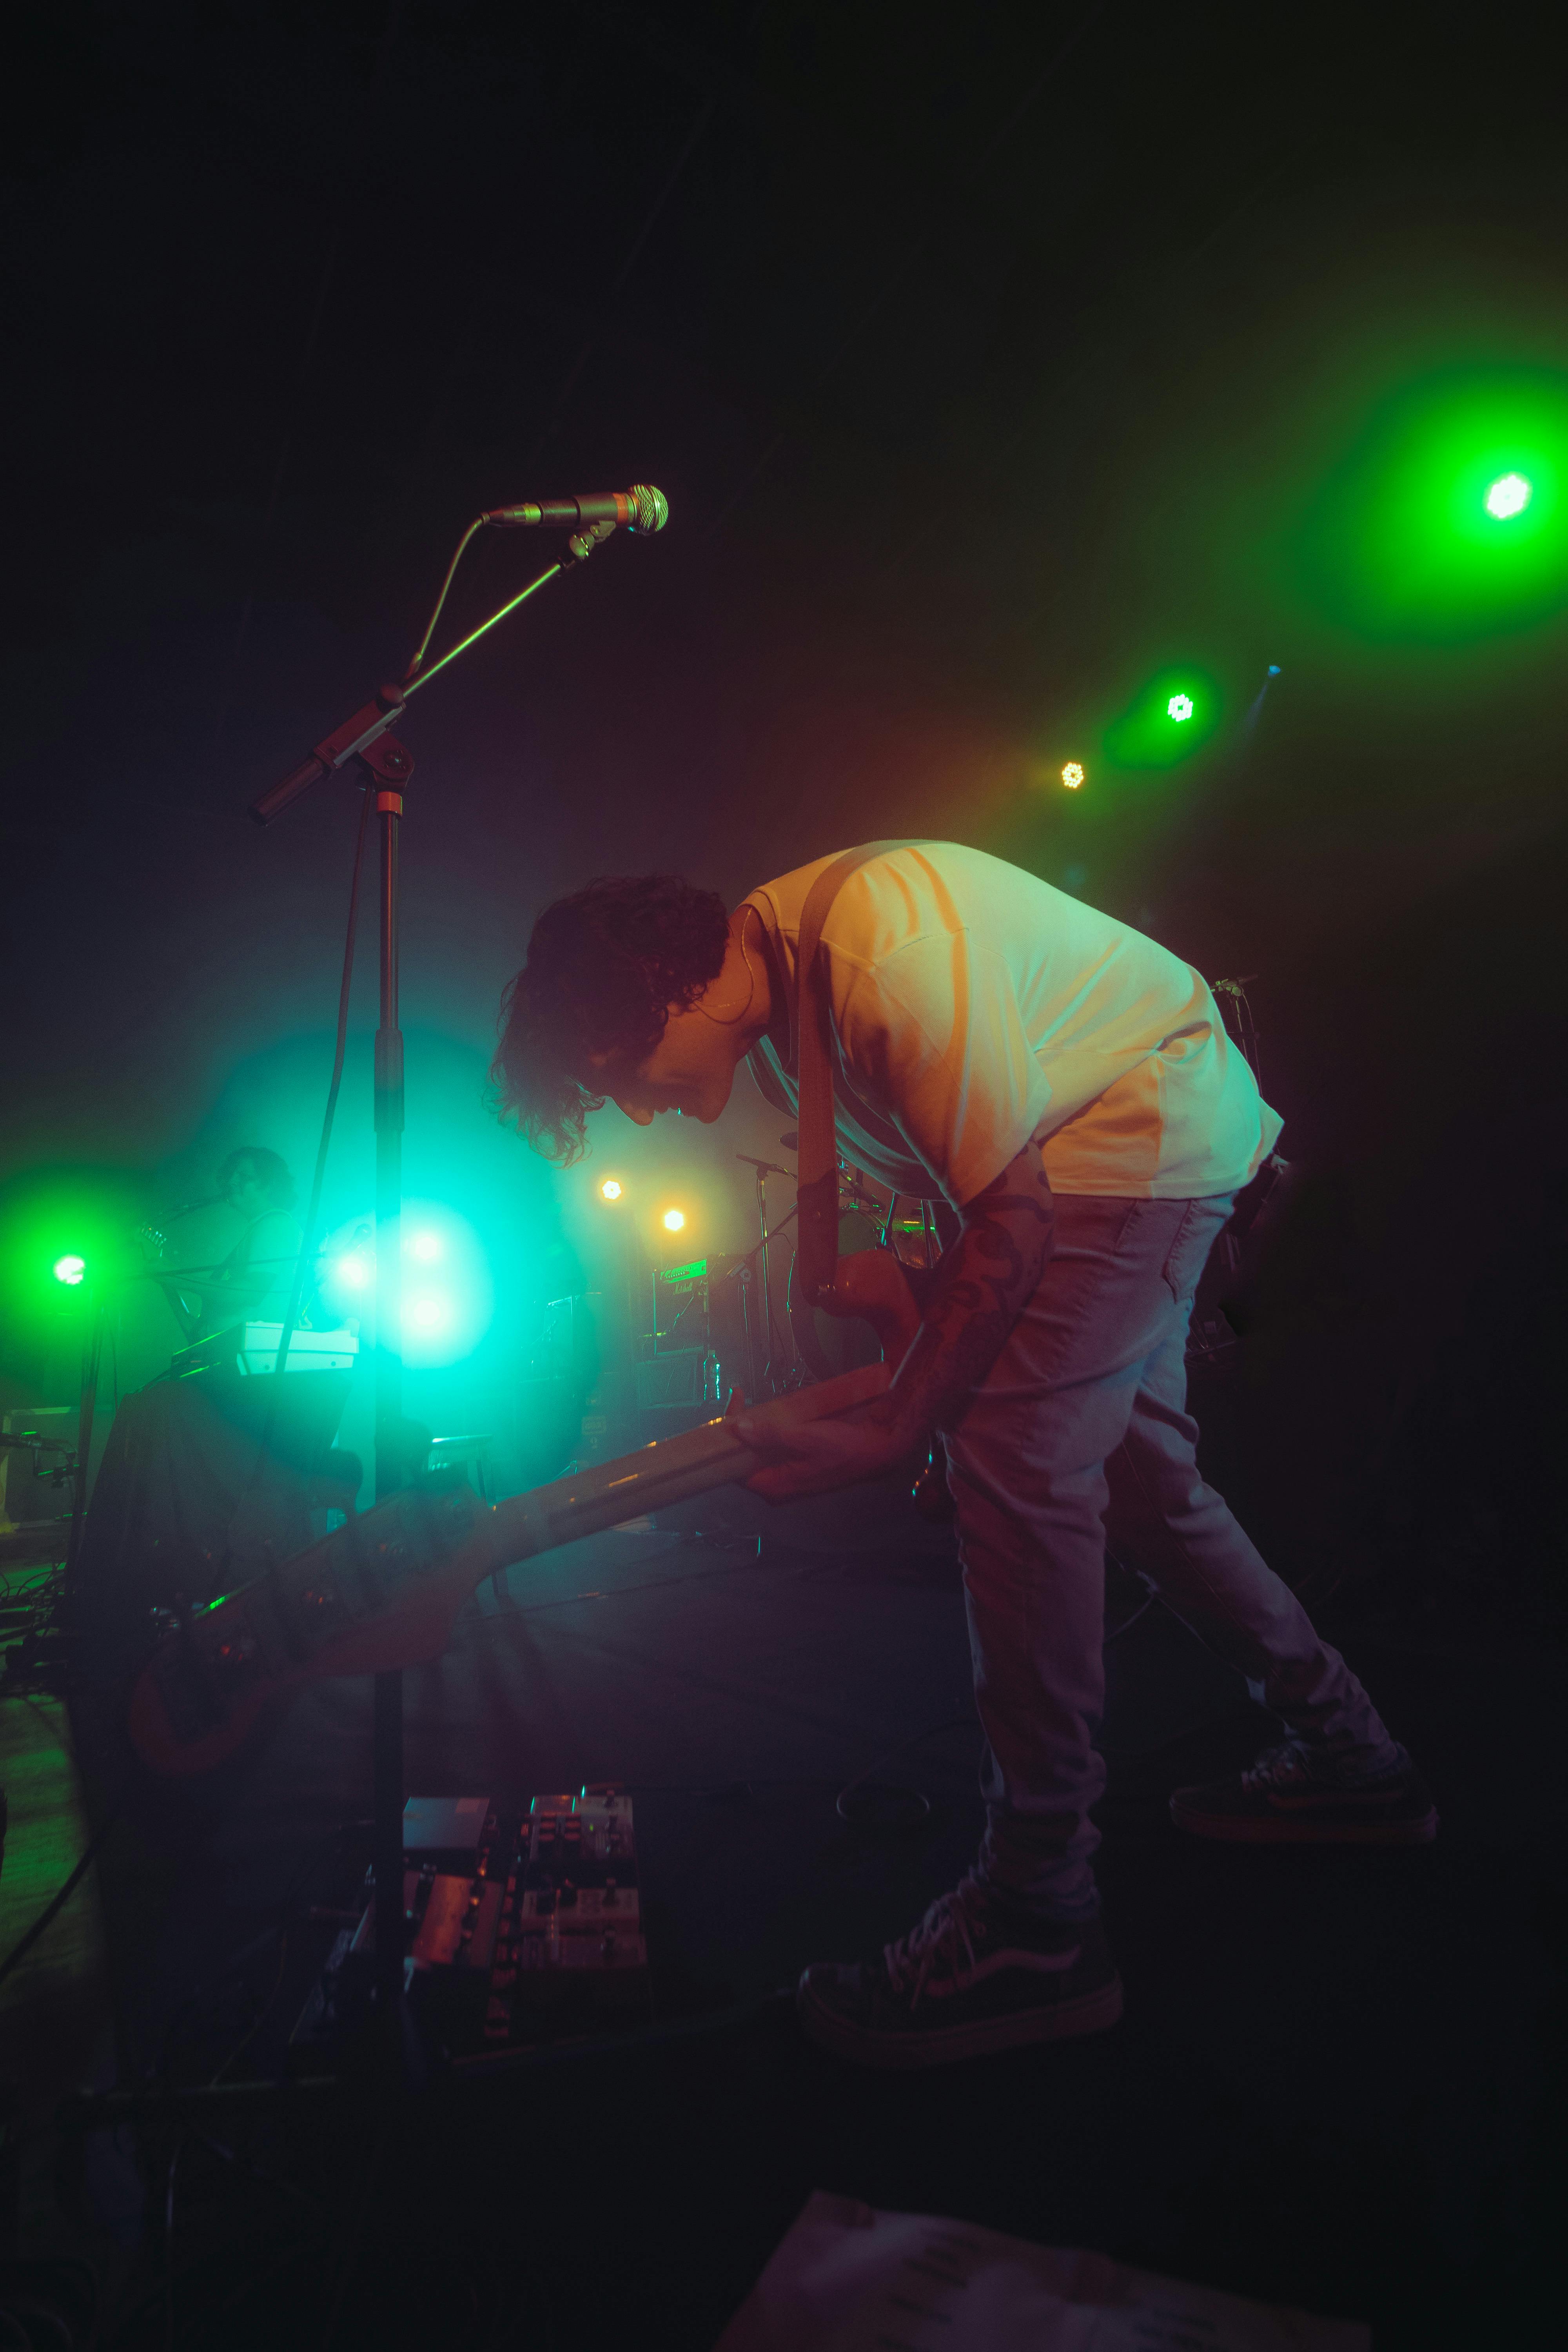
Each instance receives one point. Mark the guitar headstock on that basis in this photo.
(369, 1597)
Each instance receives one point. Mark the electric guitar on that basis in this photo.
(875, 1288)
(383, 1590)
(869, 1285)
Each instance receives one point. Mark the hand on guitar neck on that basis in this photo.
(385, 1590)
(942, 1349)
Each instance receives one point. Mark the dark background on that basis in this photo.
(990, 360)
(993, 360)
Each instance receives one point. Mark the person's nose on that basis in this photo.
(633, 1111)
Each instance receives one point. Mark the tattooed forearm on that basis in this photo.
(981, 1289)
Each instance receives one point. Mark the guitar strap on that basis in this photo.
(817, 1156)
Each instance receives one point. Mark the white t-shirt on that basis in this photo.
(973, 1007)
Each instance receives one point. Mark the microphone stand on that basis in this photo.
(386, 765)
(761, 1169)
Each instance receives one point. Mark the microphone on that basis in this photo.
(641, 509)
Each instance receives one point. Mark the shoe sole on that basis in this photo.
(944, 2045)
(1283, 1829)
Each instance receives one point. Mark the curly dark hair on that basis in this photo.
(270, 1169)
(603, 968)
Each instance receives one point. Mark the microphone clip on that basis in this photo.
(581, 543)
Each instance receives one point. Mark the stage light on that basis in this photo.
(448, 1301)
(1509, 496)
(1444, 521)
(1172, 715)
(673, 1220)
(1072, 775)
(609, 1190)
(70, 1270)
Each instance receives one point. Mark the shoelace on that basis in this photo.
(1278, 1767)
(938, 1937)
(1289, 1766)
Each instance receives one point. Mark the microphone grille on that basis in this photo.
(651, 508)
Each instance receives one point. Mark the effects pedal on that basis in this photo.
(515, 1937)
(571, 1919)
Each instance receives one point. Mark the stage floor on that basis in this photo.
(1328, 2089)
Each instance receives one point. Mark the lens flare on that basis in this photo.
(1072, 775)
(352, 1271)
(673, 1220)
(70, 1270)
(610, 1190)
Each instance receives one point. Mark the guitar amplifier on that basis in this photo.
(699, 1310)
(249, 1349)
(680, 1305)
(680, 1376)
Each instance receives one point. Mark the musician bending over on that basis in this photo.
(1069, 1087)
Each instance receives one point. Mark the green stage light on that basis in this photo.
(1445, 522)
(70, 1270)
(352, 1271)
(1509, 496)
(1172, 714)
(424, 1247)
(428, 1315)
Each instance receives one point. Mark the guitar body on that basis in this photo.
(383, 1590)
(875, 1297)
(878, 1298)
(843, 1341)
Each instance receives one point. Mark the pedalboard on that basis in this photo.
(519, 1931)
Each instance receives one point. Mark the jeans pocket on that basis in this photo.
(1190, 1246)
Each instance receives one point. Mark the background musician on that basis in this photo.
(206, 1475)
(252, 1234)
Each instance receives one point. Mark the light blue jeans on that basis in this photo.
(1079, 1435)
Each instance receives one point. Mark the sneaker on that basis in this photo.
(967, 1980)
(1288, 1799)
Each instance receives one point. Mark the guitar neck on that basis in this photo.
(382, 1592)
(671, 1470)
